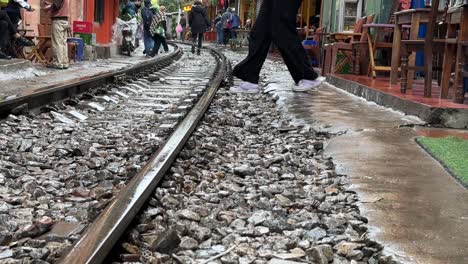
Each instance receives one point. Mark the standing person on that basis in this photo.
(13, 10)
(60, 11)
(7, 32)
(219, 28)
(162, 12)
(226, 21)
(199, 23)
(236, 24)
(157, 31)
(183, 24)
(147, 17)
(276, 23)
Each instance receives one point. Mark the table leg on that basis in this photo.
(459, 93)
(396, 46)
(415, 20)
(449, 52)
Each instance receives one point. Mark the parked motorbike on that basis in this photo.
(127, 46)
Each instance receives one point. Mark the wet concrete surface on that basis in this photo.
(415, 208)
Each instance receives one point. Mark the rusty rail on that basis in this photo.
(98, 240)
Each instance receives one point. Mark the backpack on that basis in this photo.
(4, 3)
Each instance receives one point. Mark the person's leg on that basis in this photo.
(149, 42)
(259, 43)
(164, 43)
(200, 40)
(4, 37)
(11, 28)
(59, 40)
(157, 45)
(285, 37)
(194, 41)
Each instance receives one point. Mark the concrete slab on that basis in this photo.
(447, 114)
(13, 65)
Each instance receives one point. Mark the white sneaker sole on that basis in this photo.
(318, 81)
(240, 90)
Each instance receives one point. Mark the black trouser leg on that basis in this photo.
(227, 35)
(164, 44)
(4, 17)
(276, 23)
(259, 43)
(285, 37)
(15, 18)
(200, 40)
(157, 44)
(4, 34)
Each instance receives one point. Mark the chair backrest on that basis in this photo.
(370, 19)
(44, 30)
(358, 25)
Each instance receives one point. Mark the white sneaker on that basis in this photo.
(245, 87)
(305, 85)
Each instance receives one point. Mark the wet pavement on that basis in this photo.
(415, 208)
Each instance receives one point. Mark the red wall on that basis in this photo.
(103, 31)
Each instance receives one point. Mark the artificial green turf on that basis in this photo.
(451, 151)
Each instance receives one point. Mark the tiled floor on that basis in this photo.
(416, 94)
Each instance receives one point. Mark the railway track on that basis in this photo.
(99, 153)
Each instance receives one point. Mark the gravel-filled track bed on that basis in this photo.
(251, 186)
(61, 166)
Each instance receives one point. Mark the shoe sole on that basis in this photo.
(245, 91)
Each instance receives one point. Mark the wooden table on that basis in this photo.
(39, 52)
(457, 18)
(377, 44)
(414, 17)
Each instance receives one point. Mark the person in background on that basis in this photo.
(235, 24)
(162, 12)
(183, 24)
(157, 31)
(276, 24)
(248, 24)
(300, 23)
(7, 32)
(147, 17)
(13, 9)
(219, 28)
(128, 12)
(199, 23)
(60, 11)
(226, 21)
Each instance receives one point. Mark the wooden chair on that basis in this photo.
(346, 43)
(429, 45)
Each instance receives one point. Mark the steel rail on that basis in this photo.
(53, 93)
(99, 238)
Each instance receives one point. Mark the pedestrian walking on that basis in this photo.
(13, 9)
(226, 21)
(162, 13)
(60, 11)
(157, 31)
(199, 23)
(7, 32)
(276, 23)
(147, 17)
(183, 24)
